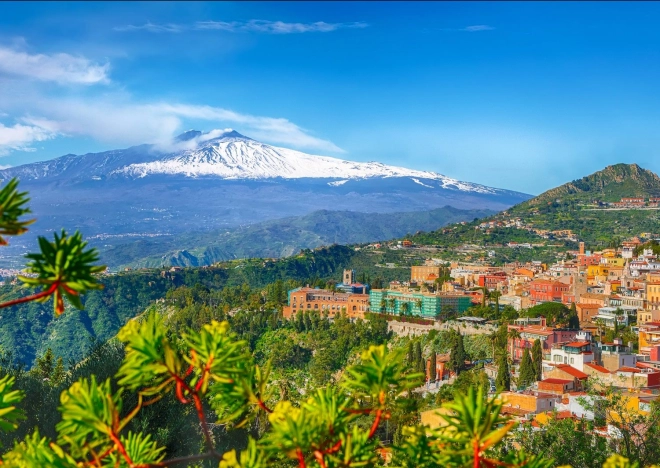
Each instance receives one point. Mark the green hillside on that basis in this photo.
(608, 185)
(282, 237)
(581, 206)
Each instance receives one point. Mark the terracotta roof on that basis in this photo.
(514, 411)
(634, 370)
(597, 368)
(577, 344)
(555, 381)
(572, 371)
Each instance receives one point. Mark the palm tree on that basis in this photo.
(419, 303)
(512, 335)
(485, 296)
(496, 295)
(600, 323)
(493, 337)
(392, 302)
(383, 305)
(405, 308)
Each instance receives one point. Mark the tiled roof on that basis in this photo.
(555, 381)
(597, 368)
(572, 371)
(577, 344)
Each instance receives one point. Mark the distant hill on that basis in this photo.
(608, 185)
(282, 237)
(581, 206)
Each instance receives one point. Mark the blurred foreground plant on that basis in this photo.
(62, 269)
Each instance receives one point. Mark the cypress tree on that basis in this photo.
(503, 381)
(300, 322)
(537, 359)
(417, 355)
(411, 356)
(457, 356)
(573, 319)
(434, 363)
(526, 375)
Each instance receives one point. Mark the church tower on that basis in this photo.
(349, 277)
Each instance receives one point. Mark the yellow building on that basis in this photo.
(645, 316)
(599, 273)
(424, 274)
(653, 296)
(613, 261)
(649, 335)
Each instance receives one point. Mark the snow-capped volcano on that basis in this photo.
(223, 179)
(234, 156)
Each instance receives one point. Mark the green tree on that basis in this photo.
(503, 380)
(417, 358)
(496, 296)
(457, 354)
(537, 360)
(405, 308)
(433, 367)
(526, 373)
(410, 354)
(512, 335)
(45, 365)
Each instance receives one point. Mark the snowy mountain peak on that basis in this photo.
(229, 155)
(226, 154)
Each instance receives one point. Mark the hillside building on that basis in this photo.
(325, 301)
(421, 304)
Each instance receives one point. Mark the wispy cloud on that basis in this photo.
(478, 27)
(151, 27)
(19, 137)
(277, 27)
(126, 123)
(257, 26)
(473, 28)
(60, 68)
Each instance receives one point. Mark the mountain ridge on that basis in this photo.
(282, 237)
(227, 155)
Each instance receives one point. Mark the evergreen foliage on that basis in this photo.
(503, 381)
(457, 355)
(527, 372)
(537, 360)
(433, 367)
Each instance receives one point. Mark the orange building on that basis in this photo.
(586, 312)
(424, 274)
(325, 301)
(542, 290)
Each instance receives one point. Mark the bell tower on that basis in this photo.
(349, 277)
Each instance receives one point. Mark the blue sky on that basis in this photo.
(517, 95)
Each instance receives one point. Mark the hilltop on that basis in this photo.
(608, 185)
(589, 209)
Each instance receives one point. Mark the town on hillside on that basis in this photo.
(595, 315)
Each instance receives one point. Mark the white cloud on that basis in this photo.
(276, 130)
(125, 123)
(478, 27)
(276, 27)
(151, 27)
(19, 137)
(259, 26)
(473, 28)
(60, 68)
